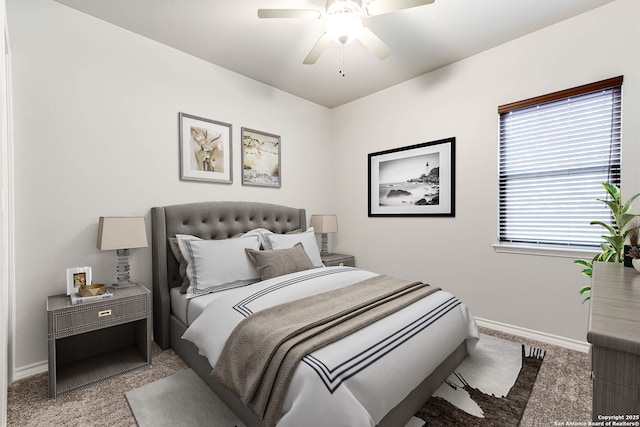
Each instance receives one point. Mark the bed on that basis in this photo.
(385, 403)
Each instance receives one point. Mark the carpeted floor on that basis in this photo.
(562, 392)
(103, 404)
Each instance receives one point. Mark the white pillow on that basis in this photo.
(216, 265)
(262, 234)
(182, 238)
(307, 238)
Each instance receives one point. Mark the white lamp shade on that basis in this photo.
(122, 232)
(324, 223)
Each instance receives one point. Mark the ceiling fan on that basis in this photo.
(345, 22)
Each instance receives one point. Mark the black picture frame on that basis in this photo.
(417, 180)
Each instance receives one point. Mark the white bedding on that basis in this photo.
(398, 351)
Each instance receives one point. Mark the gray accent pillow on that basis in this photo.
(173, 244)
(278, 262)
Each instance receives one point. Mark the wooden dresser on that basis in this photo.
(614, 334)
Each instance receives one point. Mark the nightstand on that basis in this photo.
(94, 341)
(332, 260)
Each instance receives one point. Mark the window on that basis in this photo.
(555, 152)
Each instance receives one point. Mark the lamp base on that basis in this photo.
(324, 240)
(123, 268)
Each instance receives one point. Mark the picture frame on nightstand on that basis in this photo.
(76, 277)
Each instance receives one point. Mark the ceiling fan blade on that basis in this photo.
(379, 7)
(374, 44)
(289, 13)
(317, 49)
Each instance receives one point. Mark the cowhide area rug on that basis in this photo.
(490, 388)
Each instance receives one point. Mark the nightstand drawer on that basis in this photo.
(348, 262)
(338, 260)
(84, 318)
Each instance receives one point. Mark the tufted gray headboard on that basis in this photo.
(207, 220)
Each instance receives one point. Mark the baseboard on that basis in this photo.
(29, 370)
(569, 343)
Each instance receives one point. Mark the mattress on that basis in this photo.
(188, 310)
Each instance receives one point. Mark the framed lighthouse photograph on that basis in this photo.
(417, 180)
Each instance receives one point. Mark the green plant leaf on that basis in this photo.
(615, 241)
(613, 191)
(627, 205)
(607, 255)
(624, 219)
(609, 228)
(613, 205)
(584, 289)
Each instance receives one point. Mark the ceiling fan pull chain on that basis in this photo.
(341, 69)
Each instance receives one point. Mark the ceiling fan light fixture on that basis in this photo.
(341, 6)
(344, 27)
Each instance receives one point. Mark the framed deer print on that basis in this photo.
(205, 150)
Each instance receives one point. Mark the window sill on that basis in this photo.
(541, 250)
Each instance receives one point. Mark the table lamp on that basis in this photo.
(323, 224)
(122, 233)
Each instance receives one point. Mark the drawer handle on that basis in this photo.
(104, 313)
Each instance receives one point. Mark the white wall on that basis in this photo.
(533, 292)
(5, 235)
(96, 133)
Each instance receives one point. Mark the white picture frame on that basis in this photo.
(261, 159)
(76, 276)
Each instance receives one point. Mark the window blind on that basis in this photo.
(555, 152)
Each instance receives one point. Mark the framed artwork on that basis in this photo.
(418, 180)
(205, 150)
(260, 159)
(76, 277)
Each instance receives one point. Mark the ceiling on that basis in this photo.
(228, 33)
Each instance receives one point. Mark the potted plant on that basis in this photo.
(612, 249)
